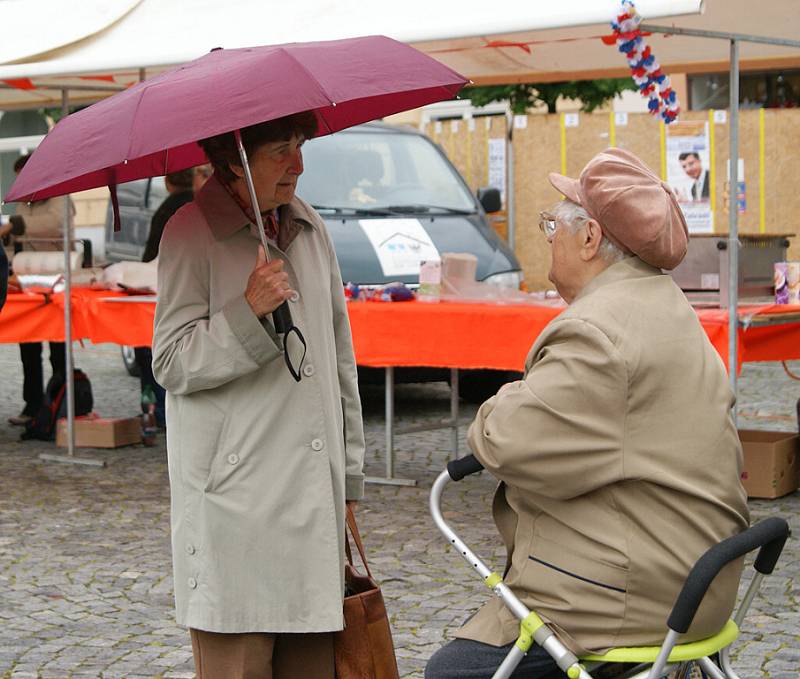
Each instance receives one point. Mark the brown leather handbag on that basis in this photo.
(364, 648)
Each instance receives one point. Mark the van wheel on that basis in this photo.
(476, 386)
(129, 359)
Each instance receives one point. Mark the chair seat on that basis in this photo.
(680, 653)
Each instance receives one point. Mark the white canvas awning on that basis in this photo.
(482, 41)
(96, 47)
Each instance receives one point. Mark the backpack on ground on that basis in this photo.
(43, 426)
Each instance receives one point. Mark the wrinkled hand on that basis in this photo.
(268, 285)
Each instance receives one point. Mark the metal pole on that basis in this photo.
(733, 221)
(510, 181)
(722, 35)
(251, 189)
(69, 393)
(389, 479)
(67, 232)
(454, 409)
(389, 404)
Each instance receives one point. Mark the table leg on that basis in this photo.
(390, 479)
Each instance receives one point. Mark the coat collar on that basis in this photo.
(225, 217)
(630, 267)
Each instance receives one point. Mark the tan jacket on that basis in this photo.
(44, 219)
(619, 463)
(259, 464)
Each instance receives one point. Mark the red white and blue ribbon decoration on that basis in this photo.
(646, 71)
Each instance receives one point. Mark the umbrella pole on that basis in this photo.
(248, 178)
(282, 316)
(69, 393)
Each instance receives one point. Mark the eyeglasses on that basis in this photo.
(548, 224)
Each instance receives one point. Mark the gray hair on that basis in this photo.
(575, 216)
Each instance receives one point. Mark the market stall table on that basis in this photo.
(454, 335)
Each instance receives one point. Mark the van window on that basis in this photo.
(130, 194)
(375, 169)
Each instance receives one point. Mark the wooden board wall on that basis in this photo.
(538, 151)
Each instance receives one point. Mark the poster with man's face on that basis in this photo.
(687, 172)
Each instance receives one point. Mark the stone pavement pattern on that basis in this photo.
(85, 574)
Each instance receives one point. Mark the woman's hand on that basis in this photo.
(268, 285)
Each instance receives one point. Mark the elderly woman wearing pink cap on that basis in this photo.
(618, 457)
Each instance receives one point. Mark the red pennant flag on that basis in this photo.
(104, 78)
(506, 43)
(20, 84)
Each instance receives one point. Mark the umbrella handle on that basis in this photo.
(282, 318)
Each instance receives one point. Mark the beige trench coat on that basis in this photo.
(619, 463)
(259, 465)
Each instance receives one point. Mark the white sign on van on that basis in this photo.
(400, 244)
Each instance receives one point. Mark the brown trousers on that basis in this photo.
(262, 656)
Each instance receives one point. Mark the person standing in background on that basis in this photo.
(3, 276)
(38, 226)
(180, 188)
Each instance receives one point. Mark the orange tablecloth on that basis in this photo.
(447, 335)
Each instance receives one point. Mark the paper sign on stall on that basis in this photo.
(687, 148)
(400, 244)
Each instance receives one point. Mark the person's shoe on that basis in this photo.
(20, 420)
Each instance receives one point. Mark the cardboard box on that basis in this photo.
(99, 432)
(770, 463)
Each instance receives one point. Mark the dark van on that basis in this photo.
(367, 182)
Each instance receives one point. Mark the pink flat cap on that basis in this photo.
(636, 210)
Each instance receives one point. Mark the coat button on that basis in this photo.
(308, 370)
(233, 458)
(294, 296)
(192, 583)
(317, 444)
(190, 549)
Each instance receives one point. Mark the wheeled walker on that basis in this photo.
(646, 662)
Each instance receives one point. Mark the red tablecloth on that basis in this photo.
(448, 335)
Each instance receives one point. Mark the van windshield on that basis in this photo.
(375, 170)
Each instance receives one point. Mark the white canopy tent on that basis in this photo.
(154, 34)
(528, 42)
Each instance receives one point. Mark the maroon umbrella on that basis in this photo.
(151, 128)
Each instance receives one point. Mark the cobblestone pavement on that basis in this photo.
(85, 584)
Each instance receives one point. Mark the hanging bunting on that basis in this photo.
(646, 71)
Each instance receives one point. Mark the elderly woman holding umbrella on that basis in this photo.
(260, 464)
(261, 458)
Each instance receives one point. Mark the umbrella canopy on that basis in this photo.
(152, 128)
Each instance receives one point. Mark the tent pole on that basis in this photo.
(69, 393)
(510, 230)
(733, 221)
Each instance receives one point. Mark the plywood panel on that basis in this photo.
(538, 152)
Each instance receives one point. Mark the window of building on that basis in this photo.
(770, 89)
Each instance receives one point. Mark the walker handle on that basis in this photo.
(463, 466)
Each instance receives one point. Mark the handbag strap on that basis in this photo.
(351, 524)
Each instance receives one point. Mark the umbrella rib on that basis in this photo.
(134, 117)
(313, 77)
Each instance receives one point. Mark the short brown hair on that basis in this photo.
(19, 163)
(181, 179)
(222, 151)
